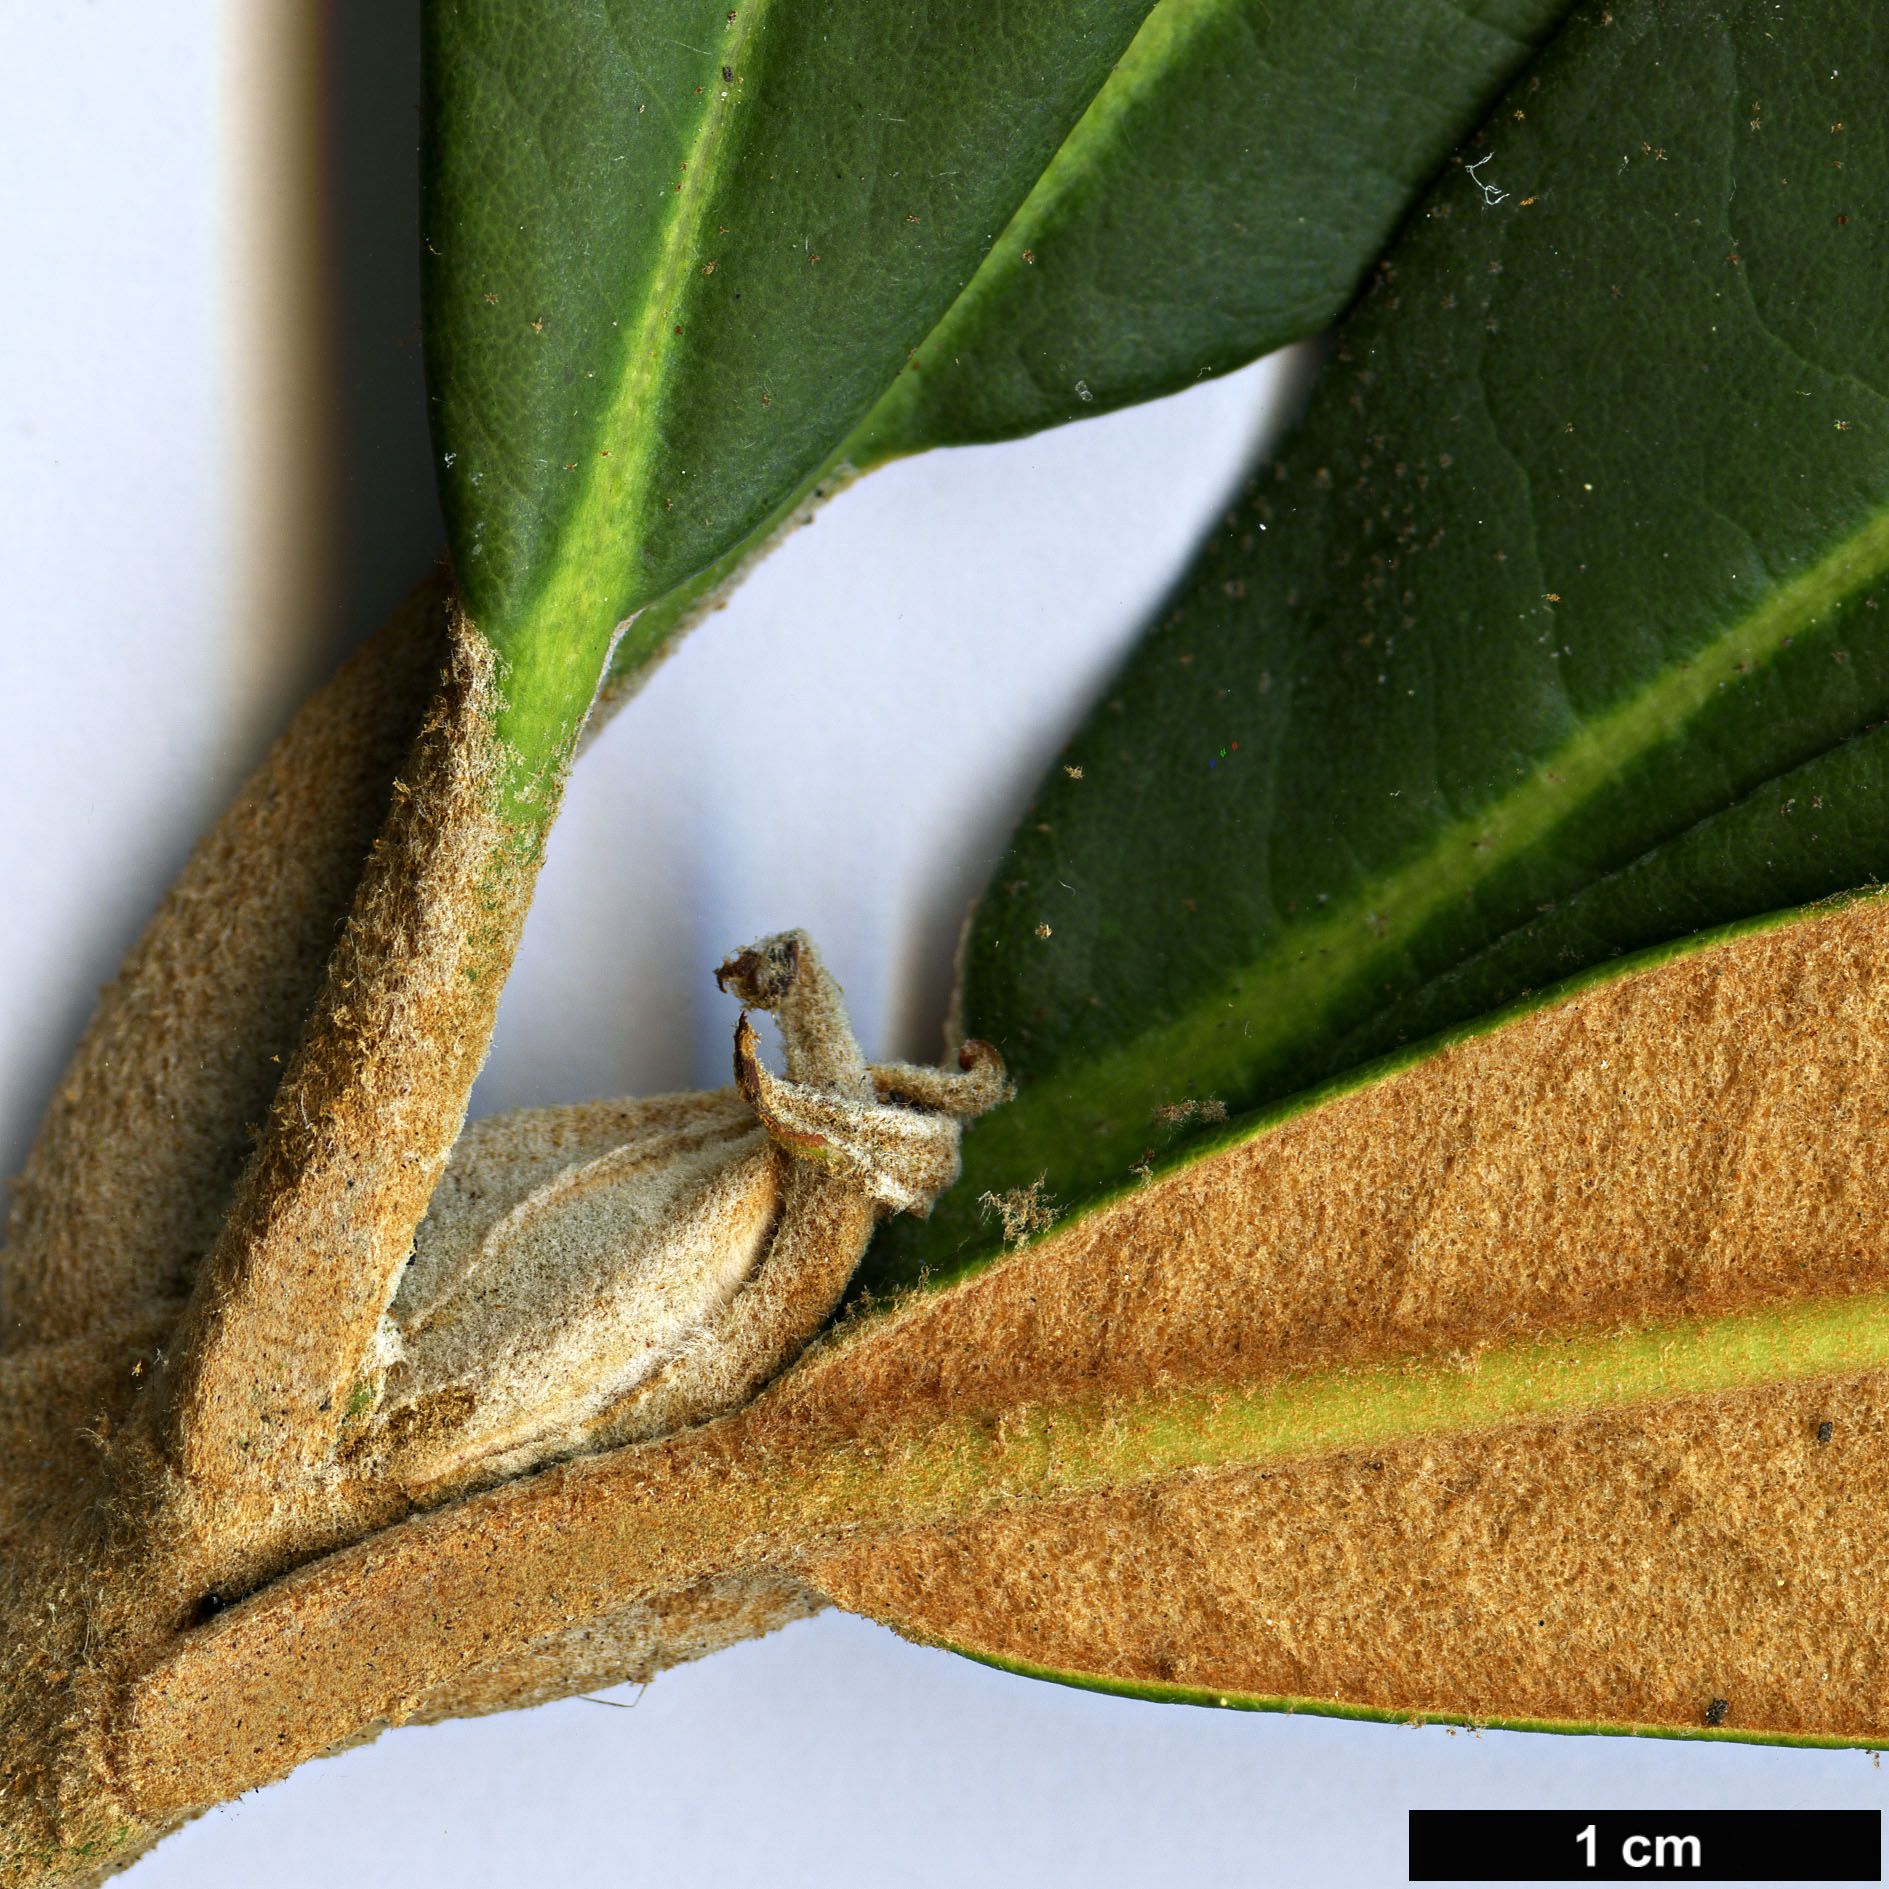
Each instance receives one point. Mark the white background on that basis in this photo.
(214, 479)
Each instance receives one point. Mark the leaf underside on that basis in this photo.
(1158, 1693)
(1468, 1390)
(1534, 1378)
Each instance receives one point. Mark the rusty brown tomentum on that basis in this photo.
(1558, 1341)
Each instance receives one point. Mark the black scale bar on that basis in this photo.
(1808, 1846)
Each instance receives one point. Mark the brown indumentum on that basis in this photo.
(221, 1298)
(283, 1356)
(1127, 1452)
(1540, 1377)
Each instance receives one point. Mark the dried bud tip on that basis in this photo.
(989, 1083)
(764, 973)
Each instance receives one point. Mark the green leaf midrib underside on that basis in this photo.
(885, 432)
(1169, 32)
(557, 645)
(1068, 223)
(632, 366)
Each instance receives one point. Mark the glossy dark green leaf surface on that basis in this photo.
(1552, 634)
(1224, 196)
(675, 250)
(683, 260)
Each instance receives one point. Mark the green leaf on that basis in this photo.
(1552, 634)
(1223, 196)
(682, 260)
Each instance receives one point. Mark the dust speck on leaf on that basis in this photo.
(1023, 1210)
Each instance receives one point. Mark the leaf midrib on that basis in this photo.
(927, 1468)
(1339, 947)
(625, 439)
(1164, 36)
(1072, 1451)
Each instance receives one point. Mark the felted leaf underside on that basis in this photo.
(1620, 1569)
(1693, 1139)
(1587, 1283)
(141, 1148)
